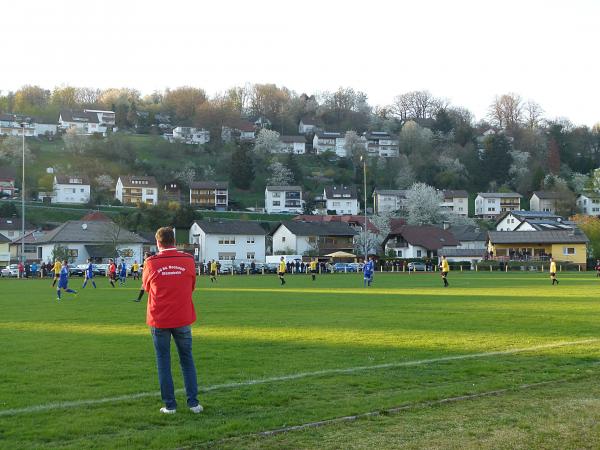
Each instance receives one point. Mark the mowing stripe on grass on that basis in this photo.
(295, 376)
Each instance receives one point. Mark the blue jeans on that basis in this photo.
(162, 344)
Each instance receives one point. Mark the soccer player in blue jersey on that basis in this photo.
(122, 273)
(368, 269)
(63, 281)
(89, 274)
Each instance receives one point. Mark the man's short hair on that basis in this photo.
(165, 236)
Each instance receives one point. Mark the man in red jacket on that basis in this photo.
(170, 278)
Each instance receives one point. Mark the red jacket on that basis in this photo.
(170, 278)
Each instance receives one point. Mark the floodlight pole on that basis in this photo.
(23, 200)
(364, 160)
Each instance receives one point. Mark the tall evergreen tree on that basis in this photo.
(496, 158)
(242, 170)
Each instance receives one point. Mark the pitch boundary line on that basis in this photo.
(295, 376)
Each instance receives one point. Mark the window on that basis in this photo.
(283, 239)
(568, 250)
(399, 253)
(276, 203)
(149, 192)
(250, 255)
(419, 253)
(250, 240)
(226, 256)
(73, 253)
(74, 190)
(276, 194)
(228, 240)
(335, 203)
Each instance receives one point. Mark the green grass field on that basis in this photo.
(498, 360)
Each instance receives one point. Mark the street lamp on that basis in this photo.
(23, 199)
(364, 161)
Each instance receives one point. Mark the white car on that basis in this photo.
(10, 271)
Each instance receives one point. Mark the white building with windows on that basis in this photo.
(381, 143)
(70, 189)
(86, 122)
(456, 202)
(330, 141)
(133, 189)
(307, 125)
(489, 205)
(295, 145)
(544, 201)
(10, 125)
(531, 221)
(228, 241)
(283, 199)
(340, 200)
(389, 200)
(190, 135)
(589, 203)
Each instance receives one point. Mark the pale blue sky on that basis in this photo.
(465, 50)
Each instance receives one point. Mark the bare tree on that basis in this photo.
(506, 111)
(533, 113)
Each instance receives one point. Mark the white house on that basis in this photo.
(228, 240)
(241, 130)
(589, 203)
(456, 202)
(190, 135)
(490, 205)
(99, 240)
(315, 238)
(132, 189)
(381, 143)
(10, 227)
(106, 118)
(307, 125)
(330, 141)
(70, 189)
(531, 221)
(418, 241)
(292, 144)
(341, 199)
(389, 200)
(283, 199)
(544, 201)
(82, 122)
(10, 125)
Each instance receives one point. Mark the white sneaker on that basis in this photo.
(167, 411)
(197, 409)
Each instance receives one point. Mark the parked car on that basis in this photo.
(357, 266)
(10, 271)
(417, 266)
(344, 267)
(271, 268)
(100, 269)
(76, 271)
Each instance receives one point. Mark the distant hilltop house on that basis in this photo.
(210, 195)
(330, 141)
(389, 200)
(70, 189)
(292, 144)
(10, 227)
(189, 135)
(171, 191)
(544, 201)
(86, 122)
(589, 203)
(8, 177)
(133, 189)
(340, 200)
(240, 130)
(532, 221)
(381, 143)
(283, 199)
(307, 125)
(456, 202)
(11, 125)
(489, 205)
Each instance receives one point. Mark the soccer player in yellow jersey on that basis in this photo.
(56, 269)
(281, 270)
(313, 268)
(553, 271)
(135, 270)
(213, 271)
(445, 269)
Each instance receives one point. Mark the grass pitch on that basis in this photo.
(81, 373)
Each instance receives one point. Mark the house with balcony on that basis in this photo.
(8, 176)
(295, 145)
(330, 141)
(283, 199)
(418, 241)
(340, 200)
(456, 202)
(134, 189)
(313, 238)
(389, 200)
(564, 246)
(73, 189)
(238, 131)
(171, 191)
(544, 201)
(190, 135)
(11, 125)
(381, 143)
(589, 203)
(490, 205)
(210, 195)
(84, 122)
(228, 241)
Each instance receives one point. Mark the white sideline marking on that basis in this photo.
(295, 376)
